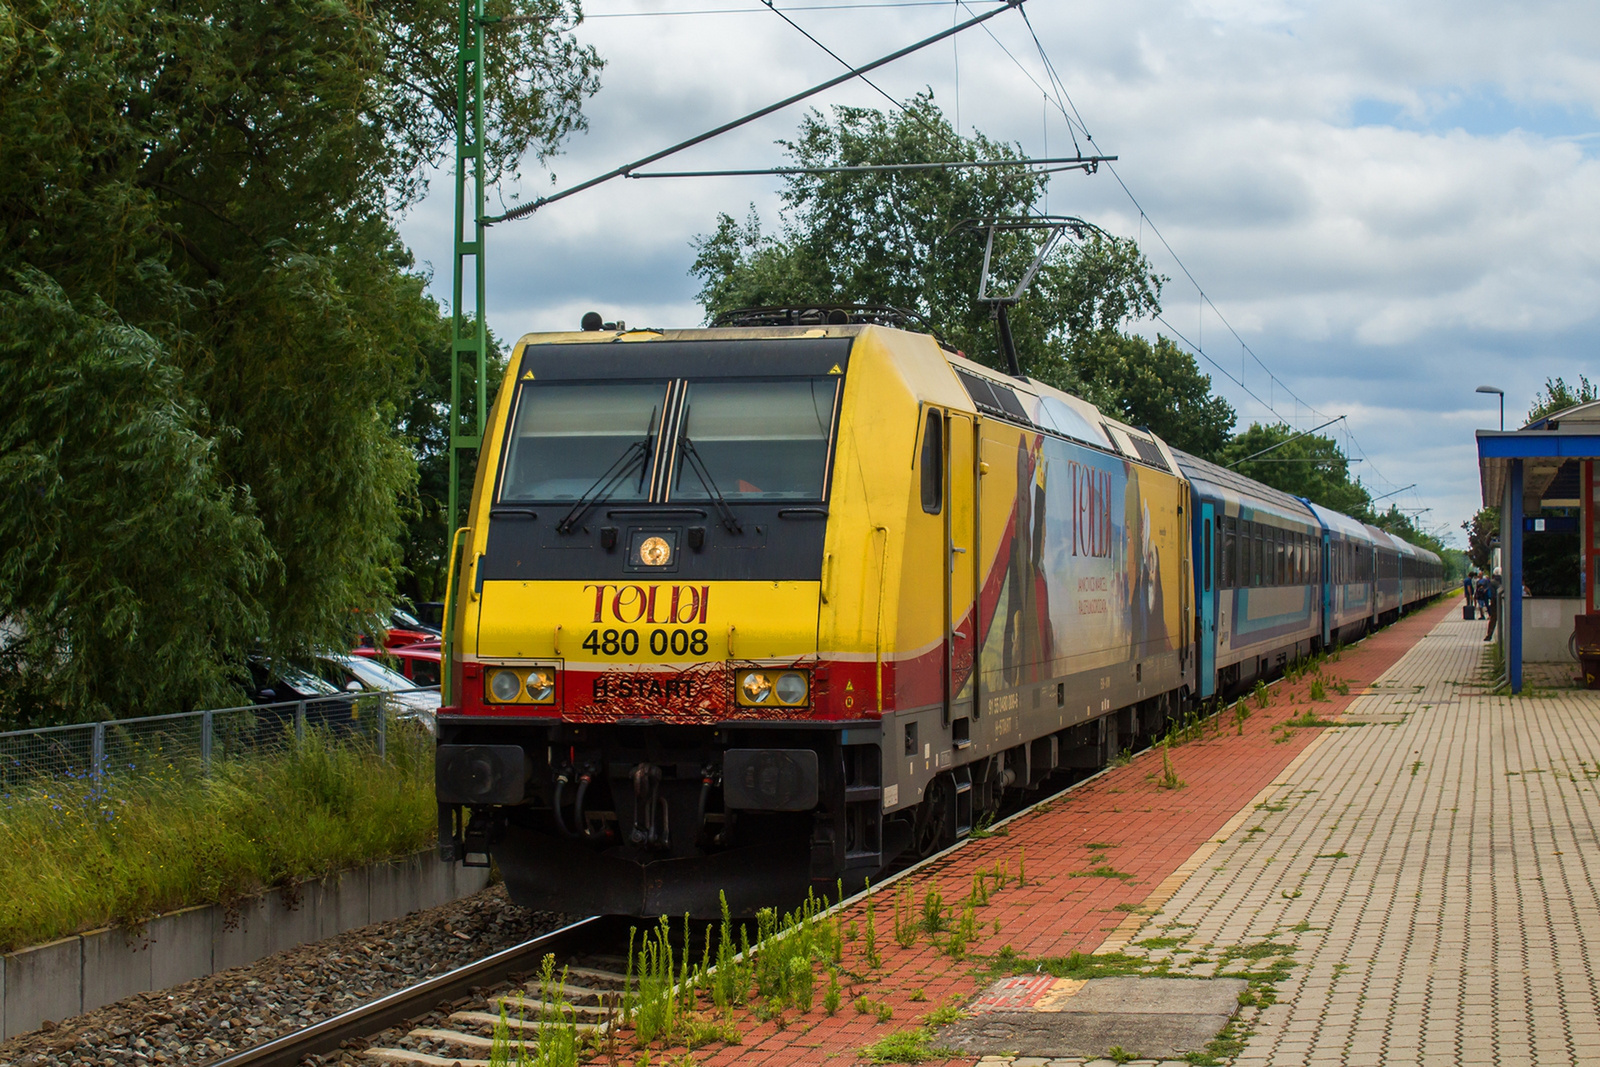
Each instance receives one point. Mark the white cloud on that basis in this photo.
(1381, 270)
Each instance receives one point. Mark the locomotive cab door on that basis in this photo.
(962, 615)
(1206, 594)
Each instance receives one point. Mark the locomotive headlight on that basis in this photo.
(791, 688)
(541, 685)
(755, 688)
(505, 686)
(655, 552)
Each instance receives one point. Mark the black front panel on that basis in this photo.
(600, 479)
(775, 544)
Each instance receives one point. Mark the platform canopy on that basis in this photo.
(1549, 463)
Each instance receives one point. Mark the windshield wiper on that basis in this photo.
(604, 485)
(730, 521)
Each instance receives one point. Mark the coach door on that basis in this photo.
(961, 567)
(1205, 593)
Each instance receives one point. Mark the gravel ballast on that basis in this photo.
(203, 1020)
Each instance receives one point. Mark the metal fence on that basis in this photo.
(190, 742)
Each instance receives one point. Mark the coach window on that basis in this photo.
(1257, 551)
(933, 463)
(567, 439)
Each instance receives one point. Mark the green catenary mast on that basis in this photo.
(468, 336)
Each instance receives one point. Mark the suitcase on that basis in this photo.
(1467, 612)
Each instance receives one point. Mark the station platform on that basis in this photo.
(1417, 884)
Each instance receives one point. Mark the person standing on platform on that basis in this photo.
(1469, 590)
(1492, 606)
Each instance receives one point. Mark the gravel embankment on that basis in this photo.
(203, 1020)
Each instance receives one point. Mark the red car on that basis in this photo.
(405, 630)
(418, 662)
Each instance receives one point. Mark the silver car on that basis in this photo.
(358, 674)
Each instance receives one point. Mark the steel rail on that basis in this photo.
(378, 1015)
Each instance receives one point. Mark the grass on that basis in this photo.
(87, 853)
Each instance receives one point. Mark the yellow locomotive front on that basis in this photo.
(641, 719)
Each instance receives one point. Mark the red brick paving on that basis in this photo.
(1151, 831)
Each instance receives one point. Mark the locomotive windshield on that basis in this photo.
(569, 438)
(755, 440)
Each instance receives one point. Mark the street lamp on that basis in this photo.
(1501, 393)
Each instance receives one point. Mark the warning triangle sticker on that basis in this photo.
(836, 370)
(528, 377)
(849, 687)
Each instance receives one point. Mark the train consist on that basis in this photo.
(745, 611)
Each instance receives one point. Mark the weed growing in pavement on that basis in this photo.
(1022, 866)
(1318, 690)
(984, 828)
(907, 1046)
(873, 958)
(945, 1014)
(830, 996)
(918, 995)
(1105, 870)
(1136, 909)
(1308, 717)
(1415, 767)
(701, 1030)
(730, 985)
(1123, 758)
(1169, 777)
(789, 950)
(933, 909)
(878, 1009)
(1342, 688)
(905, 917)
(1260, 695)
(1117, 1054)
(1240, 714)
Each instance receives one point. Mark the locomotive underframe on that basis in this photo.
(641, 819)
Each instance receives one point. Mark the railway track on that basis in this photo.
(467, 1035)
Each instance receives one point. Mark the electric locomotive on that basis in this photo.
(743, 611)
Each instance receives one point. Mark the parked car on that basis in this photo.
(279, 685)
(354, 673)
(404, 629)
(418, 662)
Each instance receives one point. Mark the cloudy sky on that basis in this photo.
(1389, 203)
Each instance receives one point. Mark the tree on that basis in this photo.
(212, 185)
(1481, 533)
(903, 239)
(424, 423)
(1157, 386)
(1400, 524)
(1559, 396)
(1310, 466)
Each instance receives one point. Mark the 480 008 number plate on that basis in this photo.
(660, 642)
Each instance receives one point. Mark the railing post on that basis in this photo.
(205, 742)
(383, 725)
(97, 750)
(299, 721)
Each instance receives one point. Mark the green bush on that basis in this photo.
(86, 853)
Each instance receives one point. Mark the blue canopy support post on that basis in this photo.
(1511, 540)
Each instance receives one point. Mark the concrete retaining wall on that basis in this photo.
(81, 973)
